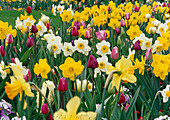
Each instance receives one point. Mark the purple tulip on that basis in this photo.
(92, 62)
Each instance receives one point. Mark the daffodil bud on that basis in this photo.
(62, 86)
(111, 90)
(119, 41)
(92, 62)
(115, 53)
(92, 24)
(45, 108)
(152, 30)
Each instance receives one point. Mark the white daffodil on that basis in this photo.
(56, 46)
(60, 8)
(162, 28)
(41, 28)
(102, 64)
(131, 55)
(89, 86)
(147, 16)
(3, 72)
(54, 9)
(152, 30)
(78, 83)
(156, 22)
(82, 46)
(103, 48)
(70, 9)
(165, 117)
(157, 47)
(145, 42)
(167, 22)
(28, 23)
(165, 93)
(46, 36)
(167, 16)
(68, 49)
(53, 39)
(19, 65)
(18, 24)
(45, 19)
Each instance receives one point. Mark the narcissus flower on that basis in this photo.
(103, 48)
(68, 49)
(140, 65)
(41, 28)
(165, 93)
(71, 69)
(134, 31)
(71, 113)
(17, 85)
(122, 67)
(42, 68)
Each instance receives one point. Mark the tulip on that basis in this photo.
(44, 108)
(126, 107)
(115, 53)
(9, 39)
(15, 49)
(122, 22)
(30, 42)
(148, 54)
(29, 75)
(51, 117)
(84, 85)
(29, 10)
(163, 4)
(101, 35)
(87, 35)
(152, 30)
(48, 26)
(117, 30)
(127, 16)
(122, 31)
(75, 31)
(137, 45)
(34, 29)
(62, 86)
(13, 60)
(2, 51)
(109, 9)
(122, 98)
(82, 23)
(92, 62)
(136, 9)
(76, 23)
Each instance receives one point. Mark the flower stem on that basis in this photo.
(93, 81)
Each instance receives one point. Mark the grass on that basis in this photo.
(10, 16)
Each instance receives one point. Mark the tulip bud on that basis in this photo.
(34, 29)
(137, 45)
(48, 26)
(62, 86)
(51, 117)
(92, 62)
(75, 31)
(30, 42)
(76, 24)
(111, 89)
(15, 49)
(109, 9)
(2, 51)
(117, 30)
(101, 35)
(29, 10)
(127, 16)
(148, 54)
(29, 75)
(152, 30)
(92, 23)
(122, 31)
(44, 108)
(82, 23)
(122, 22)
(115, 53)
(13, 60)
(87, 35)
(135, 8)
(9, 39)
(122, 98)
(118, 41)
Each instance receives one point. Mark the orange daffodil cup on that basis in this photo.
(122, 67)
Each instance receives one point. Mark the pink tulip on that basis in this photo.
(126, 107)
(127, 16)
(101, 35)
(115, 53)
(75, 31)
(82, 23)
(87, 35)
(122, 22)
(15, 49)
(117, 30)
(148, 54)
(163, 4)
(29, 75)
(13, 60)
(2, 51)
(76, 23)
(9, 39)
(44, 108)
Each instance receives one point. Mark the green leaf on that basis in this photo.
(132, 104)
(93, 103)
(26, 54)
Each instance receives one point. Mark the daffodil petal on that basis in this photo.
(116, 81)
(27, 90)
(73, 105)
(86, 116)
(123, 64)
(60, 115)
(110, 68)
(129, 77)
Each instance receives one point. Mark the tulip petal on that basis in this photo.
(86, 116)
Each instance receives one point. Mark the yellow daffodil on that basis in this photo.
(122, 67)
(4, 29)
(71, 113)
(42, 68)
(17, 85)
(70, 68)
(134, 31)
(140, 65)
(66, 16)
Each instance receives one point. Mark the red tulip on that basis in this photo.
(75, 31)
(127, 16)
(29, 10)
(48, 26)
(13, 60)
(34, 29)
(51, 117)
(115, 53)
(2, 51)
(62, 86)
(44, 108)
(30, 42)
(15, 49)
(122, 98)
(92, 62)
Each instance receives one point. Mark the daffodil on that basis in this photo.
(165, 93)
(42, 68)
(131, 55)
(68, 49)
(103, 48)
(134, 31)
(17, 85)
(41, 28)
(3, 72)
(71, 113)
(71, 69)
(140, 65)
(60, 8)
(121, 67)
(28, 23)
